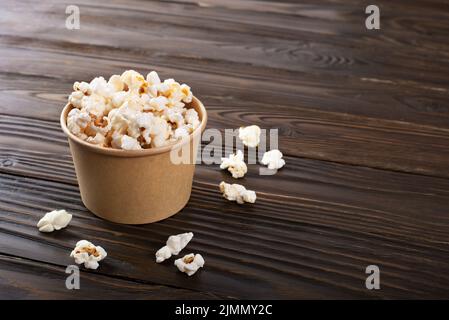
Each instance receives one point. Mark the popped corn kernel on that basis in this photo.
(98, 139)
(237, 192)
(89, 254)
(235, 164)
(273, 159)
(192, 118)
(54, 220)
(133, 81)
(129, 143)
(250, 136)
(173, 246)
(77, 122)
(190, 263)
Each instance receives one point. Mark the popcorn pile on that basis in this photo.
(130, 112)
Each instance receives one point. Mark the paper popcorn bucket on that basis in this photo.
(137, 186)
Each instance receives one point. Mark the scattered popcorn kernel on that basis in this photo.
(237, 192)
(173, 246)
(89, 254)
(250, 136)
(130, 112)
(54, 220)
(273, 159)
(235, 164)
(190, 263)
(163, 254)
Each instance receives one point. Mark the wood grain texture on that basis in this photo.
(363, 119)
(27, 279)
(319, 236)
(348, 95)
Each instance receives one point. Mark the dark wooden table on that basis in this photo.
(364, 125)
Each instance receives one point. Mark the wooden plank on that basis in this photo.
(27, 279)
(335, 100)
(314, 242)
(337, 92)
(345, 139)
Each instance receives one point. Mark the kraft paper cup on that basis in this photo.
(136, 186)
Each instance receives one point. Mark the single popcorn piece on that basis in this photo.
(77, 122)
(273, 159)
(131, 112)
(98, 139)
(133, 80)
(190, 263)
(192, 118)
(235, 164)
(89, 254)
(129, 143)
(173, 246)
(250, 136)
(54, 220)
(237, 192)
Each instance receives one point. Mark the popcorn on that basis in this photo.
(129, 143)
(190, 263)
(157, 104)
(187, 93)
(83, 87)
(250, 135)
(54, 220)
(173, 246)
(273, 159)
(89, 254)
(235, 164)
(98, 139)
(130, 112)
(77, 122)
(181, 132)
(153, 81)
(192, 118)
(237, 192)
(115, 83)
(133, 81)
